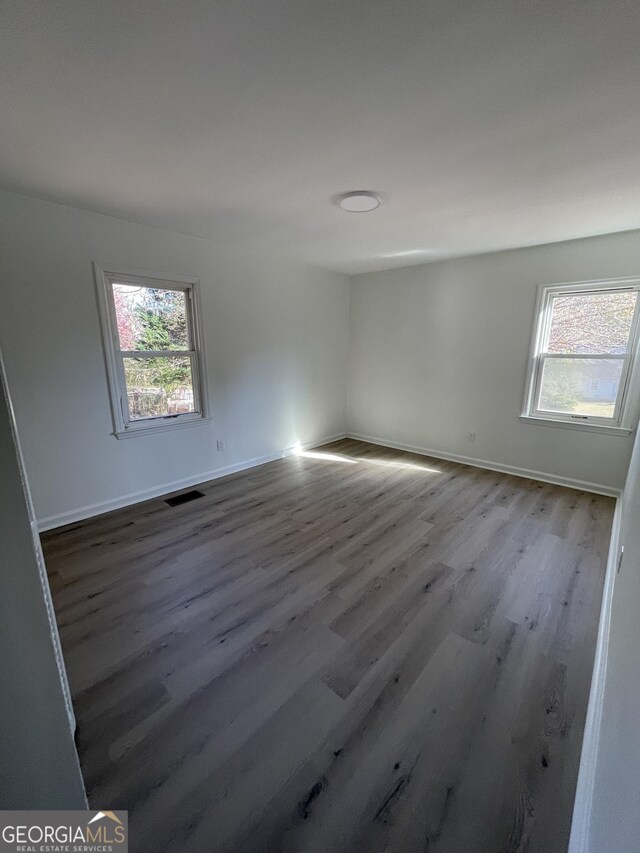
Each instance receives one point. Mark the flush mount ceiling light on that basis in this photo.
(360, 201)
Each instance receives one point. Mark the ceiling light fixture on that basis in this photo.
(360, 201)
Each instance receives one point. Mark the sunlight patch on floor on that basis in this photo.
(325, 456)
(413, 466)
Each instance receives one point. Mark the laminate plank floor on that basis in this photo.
(353, 649)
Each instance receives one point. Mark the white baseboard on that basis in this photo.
(580, 825)
(90, 510)
(582, 485)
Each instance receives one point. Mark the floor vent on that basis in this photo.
(184, 498)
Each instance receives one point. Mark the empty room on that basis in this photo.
(319, 502)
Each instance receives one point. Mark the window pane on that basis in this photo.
(150, 318)
(591, 322)
(581, 386)
(158, 386)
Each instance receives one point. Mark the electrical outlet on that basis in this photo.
(220, 444)
(471, 436)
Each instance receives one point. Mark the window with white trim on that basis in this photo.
(153, 352)
(583, 352)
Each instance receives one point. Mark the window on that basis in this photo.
(583, 349)
(153, 352)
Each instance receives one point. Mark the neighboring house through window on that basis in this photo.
(583, 353)
(153, 350)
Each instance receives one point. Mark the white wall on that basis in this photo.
(38, 763)
(615, 816)
(436, 351)
(275, 337)
(440, 350)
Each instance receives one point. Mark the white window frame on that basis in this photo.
(123, 425)
(626, 401)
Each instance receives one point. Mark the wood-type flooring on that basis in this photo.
(352, 649)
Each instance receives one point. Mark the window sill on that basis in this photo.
(603, 428)
(166, 426)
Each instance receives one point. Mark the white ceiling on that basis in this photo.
(484, 124)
